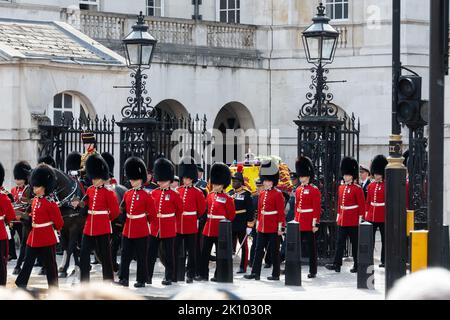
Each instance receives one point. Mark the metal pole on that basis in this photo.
(396, 250)
(436, 135)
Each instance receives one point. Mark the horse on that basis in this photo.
(67, 190)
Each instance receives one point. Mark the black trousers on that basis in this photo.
(267, 259)
(48, 258)
(207, 244)
(168, 244)
(116, 240)
(189, 243)
(272, 240)
(342, 234)
(17, 227)
(103, 245)
(3, 261)
(379, 226)
(309, 238)
(240, 236)
(130, 248)
(23, 244)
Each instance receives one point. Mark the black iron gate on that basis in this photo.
(326, 140)
(59, 140)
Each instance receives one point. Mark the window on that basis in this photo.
(68, 105)
(89, 5)
(229, 11)
(337, 9)
(155, 8)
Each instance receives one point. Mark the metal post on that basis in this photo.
(293, 269)
(225, 253)
(436, 131)
(396, 249)
(366, 271)
(445, 248)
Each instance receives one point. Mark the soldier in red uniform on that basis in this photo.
(46, 219)
(308, 210)
(375, 200)
(351, 210)
(21, 193)
(271, 221)
(163, 228)
(194, 206)
(140, 210)
(7, 215)
(220, 207)
(103, 207)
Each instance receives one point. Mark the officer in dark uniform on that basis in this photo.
(150, 185)
(364, 179)
(244, 215)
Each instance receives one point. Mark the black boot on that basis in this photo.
(334, 267)
(251, 276)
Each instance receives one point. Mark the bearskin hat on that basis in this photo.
(220, 174)
(22, 171)
(304, 167)
(136, 169)
(48, 159)
(379, 164)
(97, 167)
(239, 174)
(269, 171)
(406, 156)
(349, 166)
(43, 176)
(188, 169)
(109, 158)
(73, 161)
(2, 174)
(163, 170)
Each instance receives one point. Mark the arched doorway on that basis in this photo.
(233, 121)
(171, 108)
(68, 107)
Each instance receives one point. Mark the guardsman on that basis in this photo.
(48, 159)
(244, 216)
(109, 158)
(220, 206)
(308, 210)
(89, 142)
(271, 221)
(103, 208)
(194, 206)
(163, 229)
(22, 200)
(7, 215)
(375, 200)
(73, 162)
(46, 220)
(351, 210)
(364, 179)
(140, 210)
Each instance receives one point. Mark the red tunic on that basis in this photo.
(308, 206)
(103, 208)
(168, 207)
(140, 209)
(194, 206)
(7, 213)
(220, 207)
(271, 216)
(351, 205)
(375, 203)
(45, 218)
(17, 193)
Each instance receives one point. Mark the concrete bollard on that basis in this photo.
(419, 250)
(293, 271)
(181, 263)
(366, 271)
(225, 253)
(445, 247)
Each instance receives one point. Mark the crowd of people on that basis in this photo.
(161, 214)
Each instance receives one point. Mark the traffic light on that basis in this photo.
(410, 105)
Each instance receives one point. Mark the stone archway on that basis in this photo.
(171, 108)
(234, 117)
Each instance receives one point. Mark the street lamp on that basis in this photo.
(320, 41)
(139, 46)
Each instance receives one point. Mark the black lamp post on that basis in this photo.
(139, 47)
(320, 42)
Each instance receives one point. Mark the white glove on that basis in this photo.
(249, 230)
